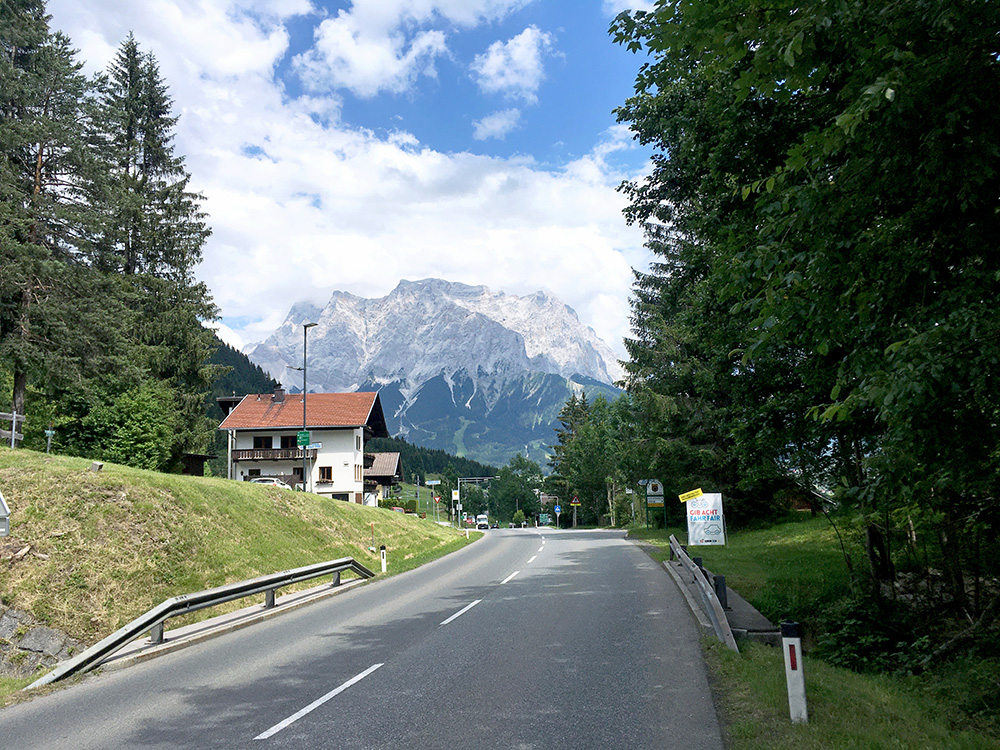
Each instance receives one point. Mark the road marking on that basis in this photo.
(540, 548)
(461, 612)
(509, 577)
(316, 704)
(532, 560)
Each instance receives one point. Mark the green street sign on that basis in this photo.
(302, 437)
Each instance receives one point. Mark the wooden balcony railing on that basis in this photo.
(272, 454)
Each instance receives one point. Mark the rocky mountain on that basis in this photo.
(459, 368)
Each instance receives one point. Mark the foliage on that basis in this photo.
(822, 203)
(419, 462)
(99, 236)
(515, 489)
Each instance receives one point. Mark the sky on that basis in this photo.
(346, 145)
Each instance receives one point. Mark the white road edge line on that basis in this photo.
(316, 704)
(509, 577)
(461, 612)
(532, 560)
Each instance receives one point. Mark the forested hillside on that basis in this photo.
(101, 331)
(419, 462)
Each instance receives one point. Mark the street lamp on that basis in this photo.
(305, 330)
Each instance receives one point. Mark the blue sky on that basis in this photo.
(347, 145)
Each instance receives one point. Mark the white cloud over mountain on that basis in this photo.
(302, 200)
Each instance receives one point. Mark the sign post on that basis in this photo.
(4, 517)
(558, 510)
(654, 499)
(574, 504)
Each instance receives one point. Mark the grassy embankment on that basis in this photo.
(105, 547)
(796, 571)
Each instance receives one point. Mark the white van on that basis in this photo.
(482, 521)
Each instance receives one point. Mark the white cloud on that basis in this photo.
(497, 125)
(614, 7)
(302, 205)
(514, 68)
(386, 45)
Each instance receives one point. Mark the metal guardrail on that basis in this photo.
(180, 605)
(709, 598)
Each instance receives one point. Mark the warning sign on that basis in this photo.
(706, 522)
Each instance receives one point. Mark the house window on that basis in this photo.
(288, 443)
(297, 473)
(262, 442)
(253, 473)
(326, 473)
(358, 438)
(358, 473)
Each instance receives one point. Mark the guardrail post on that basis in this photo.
(269, 599)
(336, 579)
(156, 633)
(720, 591)
(382, 550)
(791, 641)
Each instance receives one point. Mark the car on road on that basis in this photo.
(482, 521)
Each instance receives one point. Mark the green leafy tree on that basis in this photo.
(827, 177)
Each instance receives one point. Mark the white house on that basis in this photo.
(263, 430)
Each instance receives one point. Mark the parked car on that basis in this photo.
(273, 481)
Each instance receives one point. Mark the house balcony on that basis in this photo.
(272, 454)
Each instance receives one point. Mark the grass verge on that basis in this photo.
(90, 551)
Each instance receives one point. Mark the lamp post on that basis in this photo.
(305, 477)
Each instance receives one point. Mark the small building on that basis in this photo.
(385, 473)
(263, 439)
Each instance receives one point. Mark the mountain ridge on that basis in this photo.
(460, 367)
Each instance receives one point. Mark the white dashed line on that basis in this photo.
(461, 612)
(316, 704)
(509, 577)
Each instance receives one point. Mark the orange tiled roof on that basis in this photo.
(259, 411)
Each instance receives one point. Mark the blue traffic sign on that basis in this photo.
(558, 509)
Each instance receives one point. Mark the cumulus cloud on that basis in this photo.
(302, 204)
(514, 68)
(614, 7)
(496, 125)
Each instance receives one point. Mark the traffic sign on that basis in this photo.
(558, 509)
(314, 446)
(302, 438)
(575, 500)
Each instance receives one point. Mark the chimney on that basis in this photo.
(279, 395)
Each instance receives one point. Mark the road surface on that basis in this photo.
(525, 639)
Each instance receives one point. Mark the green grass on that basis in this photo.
(797, 571)
(106, 547)
(846, 710)
(791, 571)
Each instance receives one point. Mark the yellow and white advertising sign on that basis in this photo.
(706, 522)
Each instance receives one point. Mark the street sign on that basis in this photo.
(705, 520)
(691, 495)
(558, 509)
(454, 495)
(314, 446)
(654, 493)
(432, 482)
(4, 517)
(575, 500)
(302, 438)
(543, 518)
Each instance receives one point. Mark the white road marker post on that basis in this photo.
(384, 567)
(791, 644)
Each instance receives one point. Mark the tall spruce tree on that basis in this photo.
(151, 237)
(54, 325)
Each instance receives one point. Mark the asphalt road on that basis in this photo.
(525, 639)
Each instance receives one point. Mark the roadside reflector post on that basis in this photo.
(336, 579)
(382, 550)
(791, 643)
(156, 633)
(269, 599)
